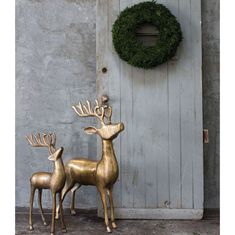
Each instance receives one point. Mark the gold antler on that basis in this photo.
(86, 111)
(108, 113)
(47, 140)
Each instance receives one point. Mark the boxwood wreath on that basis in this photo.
(130, 49)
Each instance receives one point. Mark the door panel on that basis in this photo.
(160, 152)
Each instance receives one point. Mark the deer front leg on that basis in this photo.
(40, 206)
(53, 213)
(31, 207)
(68, 186)
(104, 202)
(110, 194)
(62, 215)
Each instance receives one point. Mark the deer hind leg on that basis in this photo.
(110, 195)
(72, 206)
(67, 187)
(104, 202)
(31, 207)
(40, 206)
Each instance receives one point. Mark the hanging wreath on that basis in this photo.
(132, 50)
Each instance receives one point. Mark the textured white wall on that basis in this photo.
(55, 68)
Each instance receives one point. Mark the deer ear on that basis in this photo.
(90, 130)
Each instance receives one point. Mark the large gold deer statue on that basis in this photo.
(43, 180)
(103, 173)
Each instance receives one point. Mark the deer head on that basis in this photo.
(56, 155)
(108, 130)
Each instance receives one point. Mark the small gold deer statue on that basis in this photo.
(43, 180)
(103, 173)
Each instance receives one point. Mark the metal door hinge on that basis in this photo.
(205, 136)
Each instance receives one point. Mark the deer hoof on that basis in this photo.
(109, 230)
(31, 228)
(73, 212)
(45, 223)
(64, 230)
(114, 225)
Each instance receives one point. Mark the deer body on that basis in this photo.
(92, 172)
(103, 173)
(44, 180)
(87, 169)
(41, 180)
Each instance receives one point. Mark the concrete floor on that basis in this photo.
(86, 222)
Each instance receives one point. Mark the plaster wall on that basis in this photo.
(55, 68)
(211, 99)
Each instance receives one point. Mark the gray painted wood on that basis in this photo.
(197, 65)
(186, 107)
(174, 124)
(151, 172)
(160, 151)
(114, 88)
(127, 166)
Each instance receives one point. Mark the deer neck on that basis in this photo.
(59, 166)
(108, 163)
(108, 151)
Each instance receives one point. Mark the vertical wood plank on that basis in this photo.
(138, 140)
(160, 104)
(114, 88)
(197, 76)
(186, 104)
(139, 135)
(127, 136)
(140, 130)
(174, 121)
(151, 141)
(101, 46)
(101, 60)
(139, 146)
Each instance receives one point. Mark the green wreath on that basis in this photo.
(130, 49)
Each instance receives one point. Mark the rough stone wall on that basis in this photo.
(55, 67)
(211, 84)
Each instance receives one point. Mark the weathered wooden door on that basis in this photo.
(160, 152)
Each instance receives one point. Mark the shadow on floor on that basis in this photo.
(86, 222)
